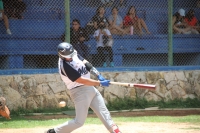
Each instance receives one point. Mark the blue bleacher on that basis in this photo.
(40, 30)
(26, 28)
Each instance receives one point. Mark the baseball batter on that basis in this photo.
(75, 72)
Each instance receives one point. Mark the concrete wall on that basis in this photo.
(47, 90)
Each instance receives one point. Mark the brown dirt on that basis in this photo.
(131, 127)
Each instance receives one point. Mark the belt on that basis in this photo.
(77, 86)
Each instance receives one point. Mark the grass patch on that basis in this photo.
(130, 104)
(20, 110)
(194, 128)
(23, 122)
(121, 104)
(181, 119)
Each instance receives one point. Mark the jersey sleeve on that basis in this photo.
(80, 57)
(71, 73)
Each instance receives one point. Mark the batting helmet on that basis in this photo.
(65, 50)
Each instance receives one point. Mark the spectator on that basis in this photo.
(91, 26)
(99, 17)
(179, 24)
(116, 23)
(102, 35)
(131, 19)
(15, 8)
(77, 38)
(192, 21)
(4, 17)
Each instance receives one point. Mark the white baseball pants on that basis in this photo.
(83, 98)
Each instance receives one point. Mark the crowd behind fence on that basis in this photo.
(108, 33)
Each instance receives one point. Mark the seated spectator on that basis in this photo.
(179, 24)
(4, 17)
(91, 27)
(102, 36)
(77, 38)
(192, 21)
(14, 8)
(116, 23)
(131, 19)
(99, 17)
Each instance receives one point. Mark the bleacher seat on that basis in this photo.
(34, 29)
(43, 24)
(30, 37)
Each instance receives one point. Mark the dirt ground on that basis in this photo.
(131, 127)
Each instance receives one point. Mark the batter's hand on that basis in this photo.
(105, 83)
(100, 77)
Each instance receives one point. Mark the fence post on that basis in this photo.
(170, 33)
(67, 21)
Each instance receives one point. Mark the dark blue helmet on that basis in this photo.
(65, 50)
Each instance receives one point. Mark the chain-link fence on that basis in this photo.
(108, 33)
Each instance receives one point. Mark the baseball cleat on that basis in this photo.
(50, 131)
(116, 129)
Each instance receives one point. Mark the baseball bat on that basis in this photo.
(144, 86)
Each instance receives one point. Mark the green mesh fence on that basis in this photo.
(108, 33)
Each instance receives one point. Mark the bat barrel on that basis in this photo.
(145, 86)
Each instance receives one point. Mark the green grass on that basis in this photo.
(38, 110)
(22, 122)
(180, 119)
(122, 104)
(129, 104)
(19, 121)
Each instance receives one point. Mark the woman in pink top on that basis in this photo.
(131, 19)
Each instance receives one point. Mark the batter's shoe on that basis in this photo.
(116, 129)
(50, 131)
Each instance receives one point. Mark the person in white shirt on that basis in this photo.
(103, 36)
(75, 72)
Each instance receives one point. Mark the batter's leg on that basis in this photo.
(82, 97)
(99, 107)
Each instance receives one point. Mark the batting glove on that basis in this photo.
(101, 78)
(105, 83)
